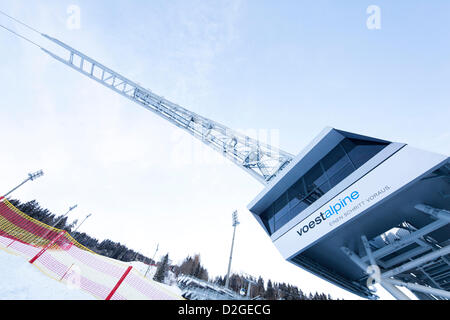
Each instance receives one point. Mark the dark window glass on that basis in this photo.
(296, 193)
(334, 161)
(294, 202)
(281, 210)
(268, 219)
(281, 213)
(361, 151)
(298, 190)
(280, 203)
(313, 197)
(314, 178)
(324, 188)
(338, 164)
(282, 220)
(298, 207)
(271, 225)
(317, 193)
(348, 145)
(342, 174)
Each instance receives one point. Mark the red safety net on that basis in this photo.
(59, 256)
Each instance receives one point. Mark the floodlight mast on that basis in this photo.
(235, 223)
(260, 160)
(31, 177)
(90, 214)
(64, 215)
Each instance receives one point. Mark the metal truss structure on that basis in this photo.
(408, 258)
(413, 260)
(260, 160)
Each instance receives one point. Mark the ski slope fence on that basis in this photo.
(59, 256)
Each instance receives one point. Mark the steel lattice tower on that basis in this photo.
(260, 160)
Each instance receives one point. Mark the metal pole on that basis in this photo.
(390, 284)
(157, 247)
(56, 223)
(26, 180)
(235, 223)
(384, 251)
(82, 222)
(64, 215)
(418, 287)
(227, 281)
(249, 288)
(31, 176)
(136, 255)
(393, 290)
(414, 263)
(437, 213)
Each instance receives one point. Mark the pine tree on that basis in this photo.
(162, 270)
(270, 292)
(220, 281)
(192, 267)
(259, 288)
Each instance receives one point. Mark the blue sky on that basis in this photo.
(290, 66)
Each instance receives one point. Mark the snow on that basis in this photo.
(19, 280)
(172, 288)
(142, 268)
(170, 282)
(196, 289)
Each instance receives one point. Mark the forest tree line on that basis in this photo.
(190, 266)
(106, 247)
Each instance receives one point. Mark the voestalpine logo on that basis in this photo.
(332, 210)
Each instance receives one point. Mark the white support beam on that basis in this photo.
(406, 256)
(420, 288)
(259, 159)
(437, 213)
(368, 250)
(417, 262)
(355, 258)
(393, 290)
(407, 240)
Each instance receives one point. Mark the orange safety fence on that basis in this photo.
(58, 255)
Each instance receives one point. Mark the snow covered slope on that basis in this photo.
(20, 280)
(171, 280)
